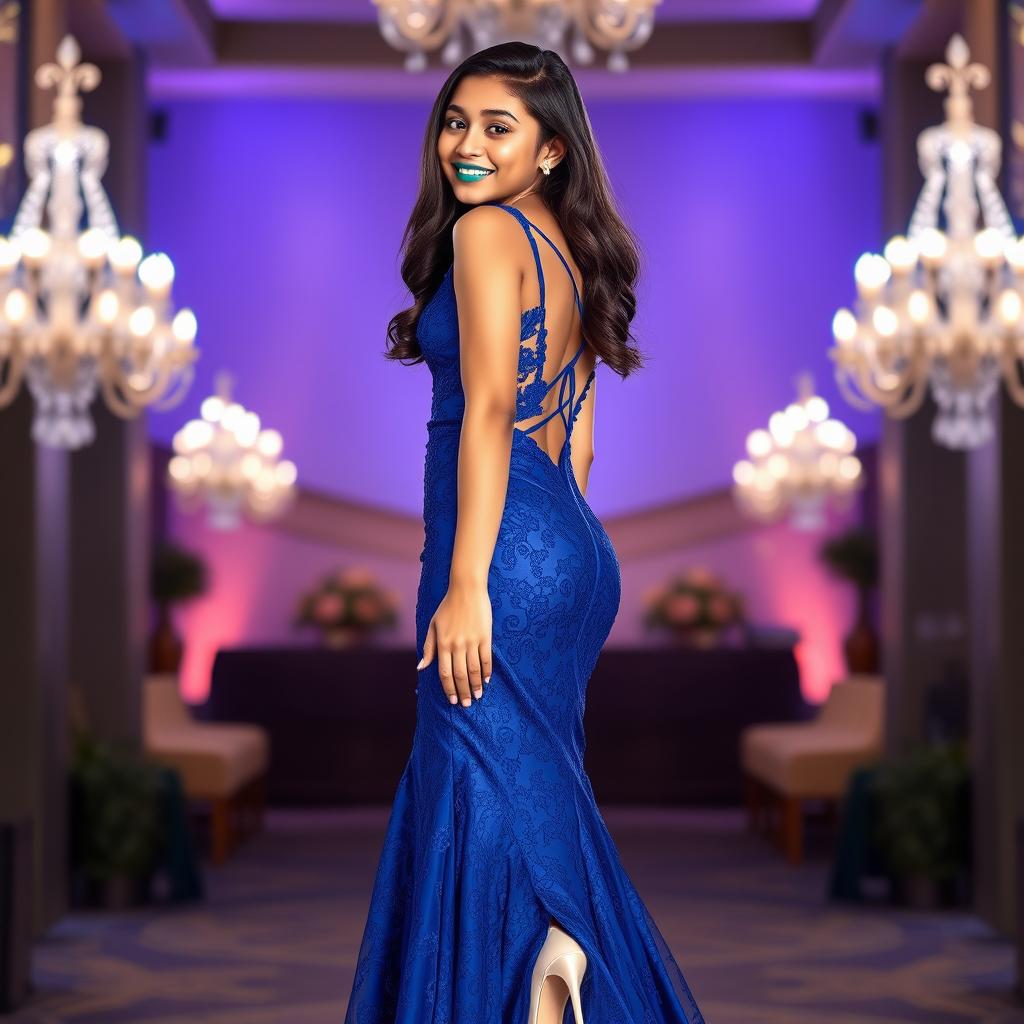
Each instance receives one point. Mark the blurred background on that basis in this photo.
(806, 730)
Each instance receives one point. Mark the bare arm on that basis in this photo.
(487, 278)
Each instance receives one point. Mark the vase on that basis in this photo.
(165, 647)
(338, 637)
(861, 644)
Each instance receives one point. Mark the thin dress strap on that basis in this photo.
(566, 373)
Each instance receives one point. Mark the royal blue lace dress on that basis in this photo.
(494, 828)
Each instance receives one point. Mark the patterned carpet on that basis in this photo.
(277, 939)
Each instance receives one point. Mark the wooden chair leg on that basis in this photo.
(792, 829)
(220, 829)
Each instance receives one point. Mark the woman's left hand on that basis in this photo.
(459, 635)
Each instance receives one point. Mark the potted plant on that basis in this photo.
(922, 822)
(175, 575)
(346, 606)
(853, 556)
(694, 606)
(116, 829)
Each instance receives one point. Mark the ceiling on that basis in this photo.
(334, 47)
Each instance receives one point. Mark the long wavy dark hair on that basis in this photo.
(576, 191)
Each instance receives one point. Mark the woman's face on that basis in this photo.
(488, 129)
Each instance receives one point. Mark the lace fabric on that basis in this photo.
(494, 828)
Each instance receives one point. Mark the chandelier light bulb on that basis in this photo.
(35, 246)
(107, 307)
(844, 327)
(796, 417)
(743, 473)
(125, 254)
(919, 308)
(180, 468)
(1009, 307)
(251, 465)
(212, 408)
(156, 272)
(1014, 253)
(248, 430)
(10, 254)
(901, 254)
(142, 321)
(933, 246)
(287, 473)
(184, 327)
(885, 321)
(92, 247)
(849, 467)
(872, 272)
(759, 443)
(817, 409)
(990, 246)
(232, 417)
(16, 308)
(270, 443)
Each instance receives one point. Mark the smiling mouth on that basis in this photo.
(470, 172)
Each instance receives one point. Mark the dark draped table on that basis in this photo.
(662, 723)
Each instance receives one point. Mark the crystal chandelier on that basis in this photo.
(80, 309)
(416, 26)
(942, 307)
(798, 464)
(226, 462)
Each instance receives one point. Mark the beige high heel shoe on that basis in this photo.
(561, 956)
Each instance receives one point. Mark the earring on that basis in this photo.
(546, 167)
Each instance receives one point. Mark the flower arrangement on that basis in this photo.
(346, 605)
(694, 605)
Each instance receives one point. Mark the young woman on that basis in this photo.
(499, 895)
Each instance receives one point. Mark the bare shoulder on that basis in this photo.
(485, 230)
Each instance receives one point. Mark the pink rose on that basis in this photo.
(683, 609)
(721, 609)
(355, 577)
(366, 608)
(699, 576)
(327, 608)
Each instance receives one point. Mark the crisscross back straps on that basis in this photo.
(567, 372)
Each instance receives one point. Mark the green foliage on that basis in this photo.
(852, 555)
(922, 821)
(117, 829)
(176, 574)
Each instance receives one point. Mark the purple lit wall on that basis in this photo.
(284, 219)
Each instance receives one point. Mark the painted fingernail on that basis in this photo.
(487, 679)
(420, 665)
(466, 703)
(478, 692)
(452, 699)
